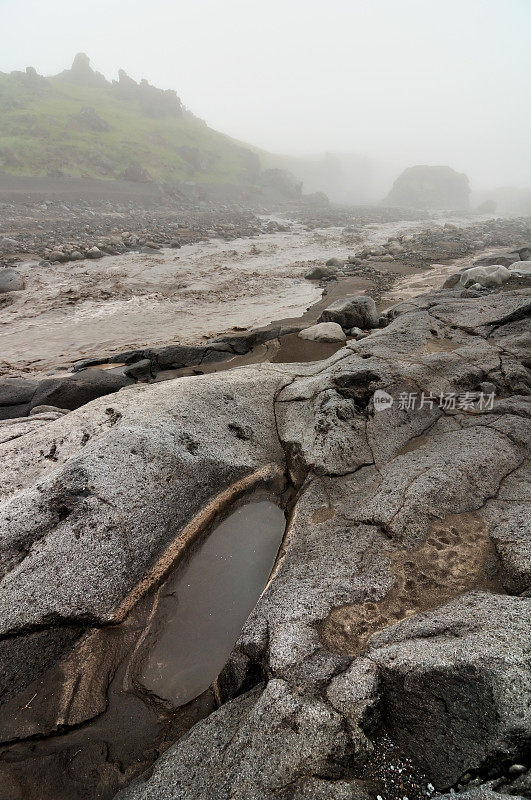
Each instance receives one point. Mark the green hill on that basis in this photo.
(79, 124)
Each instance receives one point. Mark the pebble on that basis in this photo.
(516, 769)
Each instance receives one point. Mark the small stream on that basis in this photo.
(124, 693)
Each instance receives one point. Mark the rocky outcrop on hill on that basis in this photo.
(153, 102)
(394, 631)
(430, 187)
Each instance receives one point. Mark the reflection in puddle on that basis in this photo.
(202, 609)
(124, 693)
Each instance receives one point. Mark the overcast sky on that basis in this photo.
(411, 81)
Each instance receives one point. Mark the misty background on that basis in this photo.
(380, 84)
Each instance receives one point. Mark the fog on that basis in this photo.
(397, 82)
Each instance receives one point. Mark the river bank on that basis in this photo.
(94, 308)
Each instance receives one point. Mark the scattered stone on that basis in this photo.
(320, 273)
(94, 252)
(352, 312)
(324, 332)
(516, 769)
(11, 281)
(8, 245)
(355, 332)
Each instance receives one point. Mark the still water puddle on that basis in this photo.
(203, 607)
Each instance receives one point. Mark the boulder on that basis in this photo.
(505, 259)
(94, 252)
(58, 255)
(15, 396)
(352, 312)
(8, 245)
(521, 269)
(430, 187)
(489, 276)
(10, 280)
(73, 391)
(324, 332)
(320, 273)
(455, 683)
(122, 463)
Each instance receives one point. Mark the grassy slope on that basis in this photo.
(37, 138)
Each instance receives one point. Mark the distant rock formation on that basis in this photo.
(153, 102)
(430, 187)
(82, 73)
(282, 183)
(136, 173)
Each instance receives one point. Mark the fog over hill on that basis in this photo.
(346, 96)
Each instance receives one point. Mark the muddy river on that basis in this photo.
(82, 309)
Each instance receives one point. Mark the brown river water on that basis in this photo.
(84, 309)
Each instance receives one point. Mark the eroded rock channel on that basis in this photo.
(127, 690)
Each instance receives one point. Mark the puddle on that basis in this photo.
(125, 693)
(203, 608)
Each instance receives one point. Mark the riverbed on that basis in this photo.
(83, 309)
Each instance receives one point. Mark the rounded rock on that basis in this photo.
(10, 281)
(326, 332)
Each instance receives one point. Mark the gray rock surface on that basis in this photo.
(324, 332)
(456, 683)
(352, 312)
(385, 608)
(10, 281)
